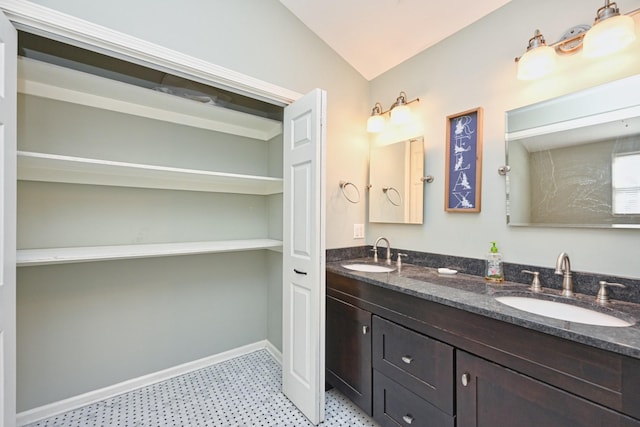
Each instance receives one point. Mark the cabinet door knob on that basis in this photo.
(407, 359)
(407, 418)
(466, 379)
(365, 330)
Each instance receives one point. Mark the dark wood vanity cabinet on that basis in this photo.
(348, 351)
(431, 365)
(412, 377)
(489, 395)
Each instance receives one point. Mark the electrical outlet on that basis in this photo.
(358, 231)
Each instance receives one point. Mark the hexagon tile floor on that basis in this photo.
(241, 392)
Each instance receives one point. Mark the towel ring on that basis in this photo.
(344, 184)
(388, 190)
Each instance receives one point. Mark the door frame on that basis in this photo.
(8, 216)
(59, 26)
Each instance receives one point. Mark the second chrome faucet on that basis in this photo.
(375, 250)
(563, 268)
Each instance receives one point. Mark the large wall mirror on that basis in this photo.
(396, 188)
(575, 160)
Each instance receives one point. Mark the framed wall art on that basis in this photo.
(463, 173)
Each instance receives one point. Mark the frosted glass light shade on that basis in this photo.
(401, 115)
(376, 123)
(536, 63)
(609, 36)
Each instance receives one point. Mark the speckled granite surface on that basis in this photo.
(473, 294)
(584, 283)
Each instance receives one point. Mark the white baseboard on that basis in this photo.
(275, 353)
(55, 408)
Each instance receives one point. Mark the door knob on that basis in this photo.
(407, 359)
(465, 379)
(407, 419)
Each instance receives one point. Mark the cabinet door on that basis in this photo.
(348, 355)
(489, 395)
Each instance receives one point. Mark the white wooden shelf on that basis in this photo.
(63, 84)
(35, 257)
(77, 170)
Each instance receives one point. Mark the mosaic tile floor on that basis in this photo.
(237, 393)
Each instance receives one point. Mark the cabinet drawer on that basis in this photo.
(394, 405)
(421, 364)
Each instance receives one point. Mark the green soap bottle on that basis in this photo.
(493, 269)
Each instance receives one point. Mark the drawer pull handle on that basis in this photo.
(407, 359)
(304, 273)
(466, 378)
(365, 330)
(407, 418)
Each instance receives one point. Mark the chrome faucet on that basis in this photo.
(375, 250)
(563, 267)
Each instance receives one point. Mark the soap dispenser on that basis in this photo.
(493, 268)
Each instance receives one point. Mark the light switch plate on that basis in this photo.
(358, 231)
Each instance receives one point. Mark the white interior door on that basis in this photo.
(8, 108)
(304, 255)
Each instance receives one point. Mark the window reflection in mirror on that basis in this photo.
(575, 160)
(626, 183)
(395, 182)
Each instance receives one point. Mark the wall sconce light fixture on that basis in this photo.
(376, 121)
(399, 114)
(610, 33)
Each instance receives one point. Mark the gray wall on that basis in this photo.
(274, 299)
(475, 68)
(86, 326)
(60, 215)
(44, 126)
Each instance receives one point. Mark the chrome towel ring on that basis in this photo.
(389, 191)
(344, 184)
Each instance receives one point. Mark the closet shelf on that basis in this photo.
(50, 256)
(77, 170)
(50, 81)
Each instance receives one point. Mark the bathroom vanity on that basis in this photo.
(415, 348)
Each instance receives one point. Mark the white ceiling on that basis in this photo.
(376, 35)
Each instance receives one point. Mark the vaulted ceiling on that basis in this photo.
(376, 35)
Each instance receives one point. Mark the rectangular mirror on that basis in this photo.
(575, 160)
(395, 182)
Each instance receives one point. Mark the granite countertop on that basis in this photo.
(475, 295)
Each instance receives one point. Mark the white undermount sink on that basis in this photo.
(562, 311)
(368, 268)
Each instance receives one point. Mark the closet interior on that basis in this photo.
(149, 221)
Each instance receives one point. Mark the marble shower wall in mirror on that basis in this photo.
(395, 182)
(575, 160)
(575, 185)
